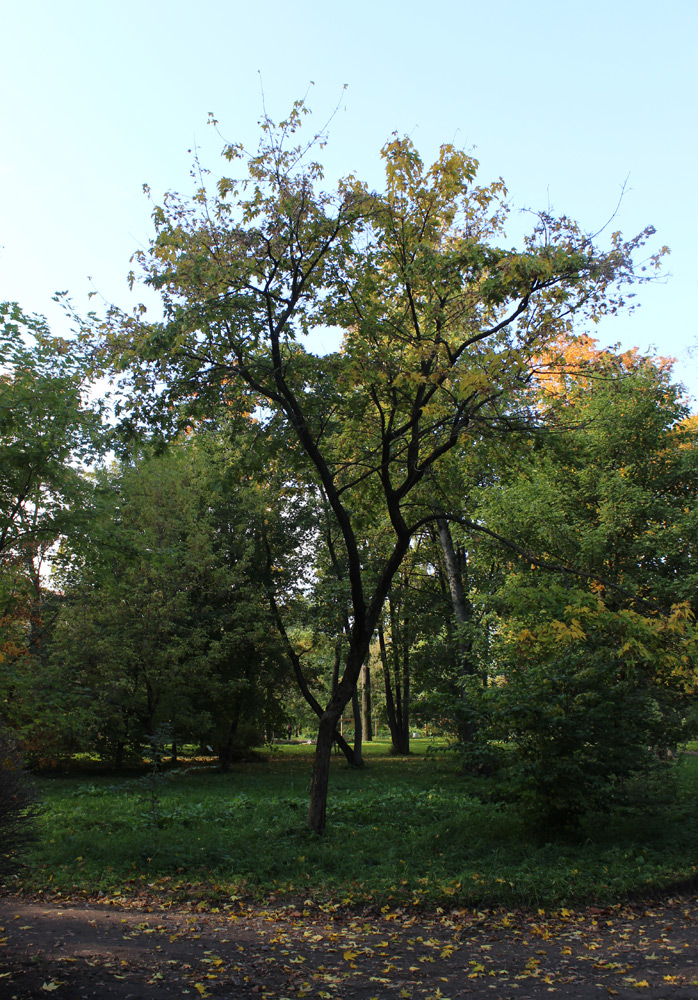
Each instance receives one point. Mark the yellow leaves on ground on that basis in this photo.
(311, 952)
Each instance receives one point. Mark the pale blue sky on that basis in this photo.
(563, 100)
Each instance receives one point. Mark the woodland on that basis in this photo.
(468, 521)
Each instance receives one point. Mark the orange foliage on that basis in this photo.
(579, 360)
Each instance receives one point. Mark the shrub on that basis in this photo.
(587, 703)
(17, 799)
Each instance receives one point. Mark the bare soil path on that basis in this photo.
(159, 950)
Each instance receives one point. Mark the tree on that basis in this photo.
(609, 488)
(163, 618)
(595, 646)
(47, 428)
(586, 699)
(440, 325)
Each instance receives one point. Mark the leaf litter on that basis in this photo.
(152, 949)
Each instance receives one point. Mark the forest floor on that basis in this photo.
(150, 949)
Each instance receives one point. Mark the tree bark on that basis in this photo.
(327, 731)
(358, 728)
(396, 702)
(462, 608)
(453, 562)
(366, 714)
(317, 812)
(336, 664)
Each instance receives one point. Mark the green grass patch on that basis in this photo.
(402, 829)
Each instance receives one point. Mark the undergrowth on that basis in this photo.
(400, 831)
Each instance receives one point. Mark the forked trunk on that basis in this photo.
(346, 689)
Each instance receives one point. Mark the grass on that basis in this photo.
(401, 830)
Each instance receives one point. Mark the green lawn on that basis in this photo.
(409, 829)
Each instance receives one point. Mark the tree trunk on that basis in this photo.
(366, 715)
(462, 608)
(405, 720)
(358, 729)
(396, 702)
(302, 684)
(327, 731)
(225, 755)
(454, 565)
(336, 663)
(317, 813)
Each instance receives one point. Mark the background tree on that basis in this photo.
(164, 618)
(47, 429)
(17, 798)
(592, 668)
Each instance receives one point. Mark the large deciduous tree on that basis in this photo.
(439, 325)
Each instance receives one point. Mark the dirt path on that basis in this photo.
(160, 951)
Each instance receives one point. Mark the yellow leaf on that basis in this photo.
(349, 955)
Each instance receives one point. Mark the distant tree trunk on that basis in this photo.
(225, 755)
(455, 567)
(366, 714)
(405, 673)
(358, 729)
(397, 699)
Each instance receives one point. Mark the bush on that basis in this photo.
(17, 799)
(587, 703)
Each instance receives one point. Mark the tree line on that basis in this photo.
(468, 501)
